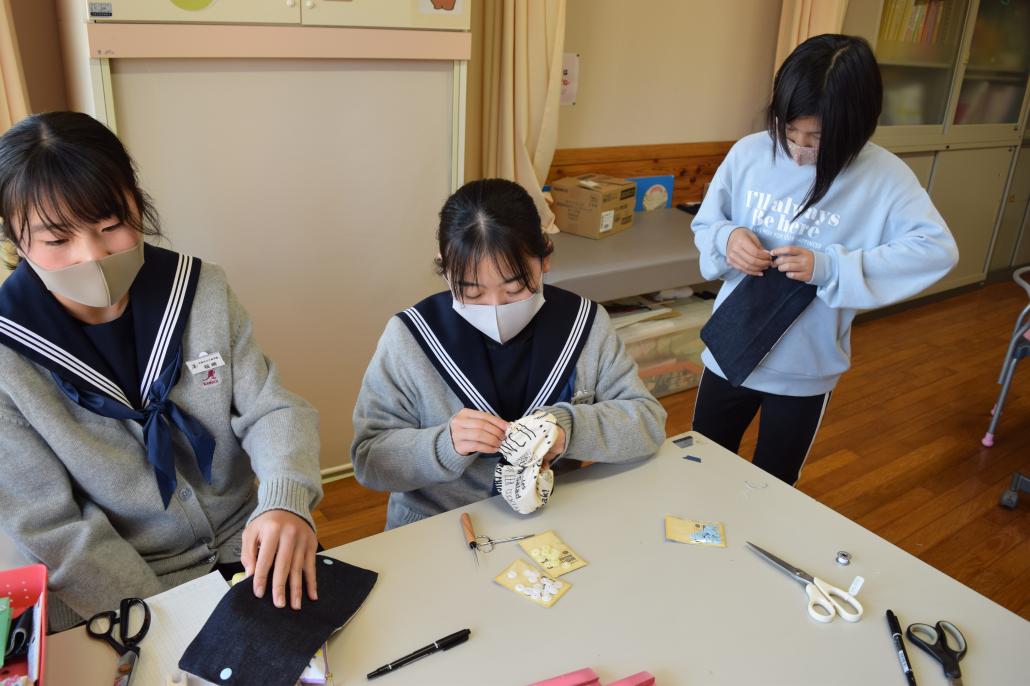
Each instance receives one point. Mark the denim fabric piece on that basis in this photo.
(248, 640)
(746, 326)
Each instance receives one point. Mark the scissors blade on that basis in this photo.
(123, 671)
(798, 575)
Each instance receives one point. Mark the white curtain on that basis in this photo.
(802, 19)
(14, 101)
(515, 85)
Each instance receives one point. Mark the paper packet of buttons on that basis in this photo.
(530, 583)
(695, 532)
(552, 553)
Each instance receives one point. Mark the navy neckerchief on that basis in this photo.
(458, 351)
(35, 325)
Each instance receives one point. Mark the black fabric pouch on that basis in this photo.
(248, 640)
(746, 326)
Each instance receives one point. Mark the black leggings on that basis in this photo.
(786, 430)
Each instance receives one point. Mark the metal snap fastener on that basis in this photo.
(843, 558)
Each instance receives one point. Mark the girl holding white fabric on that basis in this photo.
(453, 371)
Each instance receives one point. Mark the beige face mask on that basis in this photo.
(97, 283)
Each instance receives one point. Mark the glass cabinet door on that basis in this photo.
(996, 73)
(918, 47)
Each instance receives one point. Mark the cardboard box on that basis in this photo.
(593, 205)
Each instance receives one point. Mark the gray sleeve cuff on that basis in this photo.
(285, 494)
(448, 456)
(564, 417)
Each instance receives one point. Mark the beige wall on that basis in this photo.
(36, 24)
(668, 71)
(315, 184)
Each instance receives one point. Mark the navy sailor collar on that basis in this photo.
(458, 350)
(34, 324)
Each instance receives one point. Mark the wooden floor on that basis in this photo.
(899, 450)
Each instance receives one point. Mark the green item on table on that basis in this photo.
(5, 625)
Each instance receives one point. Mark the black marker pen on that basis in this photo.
(899, 646)
(445, 643)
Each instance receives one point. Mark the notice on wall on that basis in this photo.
(569, 78)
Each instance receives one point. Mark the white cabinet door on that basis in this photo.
(967, 186)
(1013, 213)
(921, 164)
(403, 14)
(198, 11)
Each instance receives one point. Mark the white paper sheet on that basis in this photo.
(168, 639)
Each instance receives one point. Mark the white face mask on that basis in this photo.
(501, 322)
(97, 283)
(802, 155)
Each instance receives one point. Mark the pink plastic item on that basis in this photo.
(587, 677)
(582, 677)
(24, 586)
(638, 679)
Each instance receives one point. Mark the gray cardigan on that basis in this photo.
(402, 437)
(77, 493)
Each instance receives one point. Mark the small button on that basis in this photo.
(185, 493)
(212, 558)
(512, 575)
(225, 674)
(326, 561)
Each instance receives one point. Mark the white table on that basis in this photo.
(658, 252)
(690, 615)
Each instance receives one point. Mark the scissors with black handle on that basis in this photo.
(101, 627)
(937, 642)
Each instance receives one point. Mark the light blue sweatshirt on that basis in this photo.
(876, 237)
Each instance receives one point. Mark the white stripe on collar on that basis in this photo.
(173, 310)
(447, 362)
(563, 359)
(64, 358)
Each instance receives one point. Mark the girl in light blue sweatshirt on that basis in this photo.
(812, 198)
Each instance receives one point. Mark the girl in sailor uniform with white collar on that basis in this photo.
(136, 408)
(451, 373)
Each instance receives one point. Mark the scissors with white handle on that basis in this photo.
(822, 597)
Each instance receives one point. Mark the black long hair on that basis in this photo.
(69, 169)
(490, 218)
(836, 79)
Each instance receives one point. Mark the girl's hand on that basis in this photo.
(477, 432)
(557, 449)
(745, 253)
(796, 262)
(282, 538)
